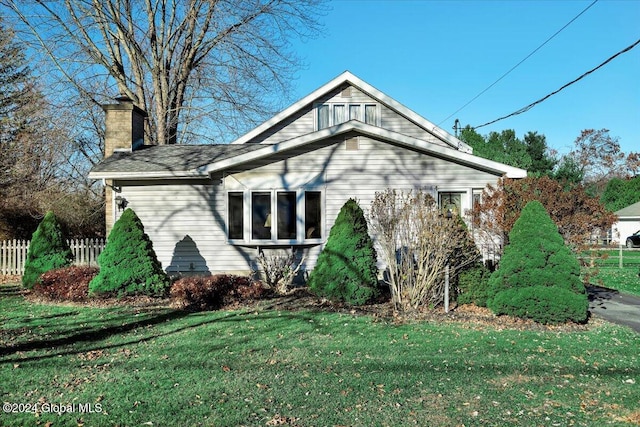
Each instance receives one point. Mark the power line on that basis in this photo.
(519, 63)
(533, 104)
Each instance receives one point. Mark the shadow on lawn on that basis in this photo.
(11, 290)
(96, 333)
(71, 344)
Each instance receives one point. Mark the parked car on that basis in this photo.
(633, 241)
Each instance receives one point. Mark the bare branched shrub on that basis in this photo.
(417, 242)
(279, 269)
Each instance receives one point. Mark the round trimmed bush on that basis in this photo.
(346, 268)
(48, 250)
(544, 304)
(535, 258)
(128, 263)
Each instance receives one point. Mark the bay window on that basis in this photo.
(274, 217)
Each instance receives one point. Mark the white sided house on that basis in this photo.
(211, 208)
(628, 223)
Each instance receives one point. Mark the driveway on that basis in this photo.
(615, 307)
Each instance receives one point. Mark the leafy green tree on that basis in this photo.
(538, 270)
(48, 250)
(128, 264)
(542, 162)
(505, 147)
(346, 268)
(569, 172)
(471, 137)
(620, 193)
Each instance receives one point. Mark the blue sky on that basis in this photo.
(435, 56)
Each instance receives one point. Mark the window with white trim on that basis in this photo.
(450, 203)
(278, 216)
(332, 114)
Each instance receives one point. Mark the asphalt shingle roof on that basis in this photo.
(632, 210)
(171, 158)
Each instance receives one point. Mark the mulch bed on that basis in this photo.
(467, 316)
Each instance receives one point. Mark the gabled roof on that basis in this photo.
(630, 211)
(374, 93)
(198, 161)
(359, 128)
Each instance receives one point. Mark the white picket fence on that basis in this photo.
(13, 253)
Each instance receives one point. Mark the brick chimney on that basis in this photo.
(124, 126)
(124, 131)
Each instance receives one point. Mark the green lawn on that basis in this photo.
(606, 271)
(229, 368)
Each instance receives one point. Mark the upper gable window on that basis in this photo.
(332, 114)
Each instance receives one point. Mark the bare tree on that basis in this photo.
(417, 241)
(599, 155)
(222, 65)
(35, 167)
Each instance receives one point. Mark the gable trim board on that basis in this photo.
(188, 195)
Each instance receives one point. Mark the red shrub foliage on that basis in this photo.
(65, 284)
(212, 292)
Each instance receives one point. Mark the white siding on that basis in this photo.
(395, 122)
(303, 122)
(624, 228)
(171, 211)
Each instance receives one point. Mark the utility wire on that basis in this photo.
(533, 104)
(519, 63)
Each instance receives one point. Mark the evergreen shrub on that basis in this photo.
(346, 268)
(48, 250)
(544, 304)
(537, 257)
(473, 285)
(128, 263)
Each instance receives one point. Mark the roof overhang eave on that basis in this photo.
(193, 174)
(375, 132)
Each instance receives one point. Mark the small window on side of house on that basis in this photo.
(312, 215)
(354, 112)
(261, 216)
(323, 116)
(286, 205)
(450, 204)
(338, 114)
(371, 114)
(236, 215)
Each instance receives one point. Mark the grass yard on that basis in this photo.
(610, 275)
(160, 367)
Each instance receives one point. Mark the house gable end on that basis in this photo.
(348, 90)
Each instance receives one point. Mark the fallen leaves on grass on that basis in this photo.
(279, 420)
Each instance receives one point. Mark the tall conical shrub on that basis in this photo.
(48, 250)
(128, 264)
(346, 268)
(538, 277)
